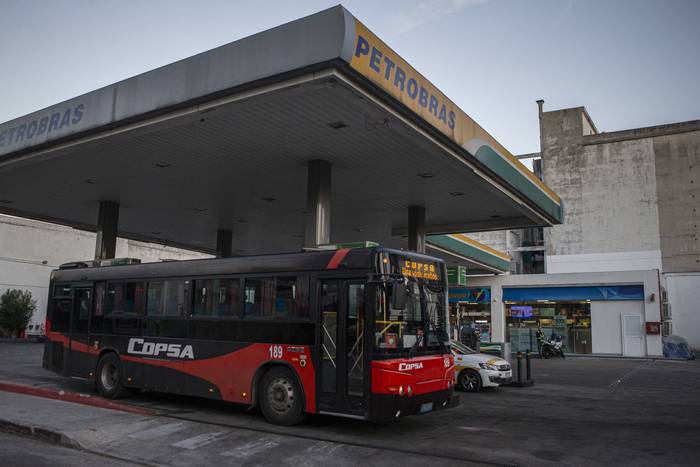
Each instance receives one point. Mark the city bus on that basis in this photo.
(352, 332)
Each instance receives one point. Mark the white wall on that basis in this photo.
(598, 262)
(606, 324)
(684, 297)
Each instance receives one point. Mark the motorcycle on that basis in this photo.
(552, 347)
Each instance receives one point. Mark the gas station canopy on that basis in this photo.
(223, 141)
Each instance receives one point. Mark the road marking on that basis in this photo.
(627, 375)
(158, 431)
(198, 441)
(251, 449)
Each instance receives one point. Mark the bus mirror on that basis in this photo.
(398, 295)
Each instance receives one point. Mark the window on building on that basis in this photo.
(277, 297)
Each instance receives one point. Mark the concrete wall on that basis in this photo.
(678, 186)
(30, 250)
(684, 297)
(609, 193)
(650, 309)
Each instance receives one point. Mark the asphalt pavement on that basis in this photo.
(581, 411)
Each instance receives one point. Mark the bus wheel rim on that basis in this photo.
(280, 395)
(109, 376)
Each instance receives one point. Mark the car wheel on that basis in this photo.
(280, 397)
(470, 381)
(109, 377)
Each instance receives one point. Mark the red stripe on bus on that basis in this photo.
(337, 258)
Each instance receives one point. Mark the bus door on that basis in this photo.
(79, 360)
(341, 356)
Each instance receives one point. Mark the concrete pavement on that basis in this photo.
(582, 411)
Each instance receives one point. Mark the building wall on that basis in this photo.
(30, 250)
(609, 193)
(650, 310)
(684, 297)
(678, 186)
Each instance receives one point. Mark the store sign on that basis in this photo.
(457, 275)
(471, 295)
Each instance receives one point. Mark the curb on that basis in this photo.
(39, 433)
(74, 397)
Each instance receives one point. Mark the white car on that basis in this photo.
(35, 331)
(474, 371)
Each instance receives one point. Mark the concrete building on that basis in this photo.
(30, 250)
(631, 219)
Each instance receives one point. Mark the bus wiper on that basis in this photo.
(414, 347)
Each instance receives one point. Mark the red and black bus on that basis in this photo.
(357, 333)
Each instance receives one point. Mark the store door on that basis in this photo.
(632, 336)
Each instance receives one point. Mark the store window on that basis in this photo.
(570, 320)
(470, 314)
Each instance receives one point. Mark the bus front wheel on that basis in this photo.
(109, 377)
(281, 397)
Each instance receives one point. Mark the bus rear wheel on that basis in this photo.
(281, 397)
(109, 377)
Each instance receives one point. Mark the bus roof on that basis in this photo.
(345, 259)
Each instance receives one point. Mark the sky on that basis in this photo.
(631, 63)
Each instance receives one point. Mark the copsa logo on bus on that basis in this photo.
(154, 349)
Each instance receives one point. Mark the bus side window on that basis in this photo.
(60, 315)
(126, 297)
(277, 297)
(98, 310)
(124, 304)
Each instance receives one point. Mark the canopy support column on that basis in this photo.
(107, 224)
(318, 204)
(416, 229)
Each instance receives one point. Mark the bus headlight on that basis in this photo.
(409, 391)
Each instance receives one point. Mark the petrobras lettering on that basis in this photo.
(158, 349)
(410, 366)
(44, 125)
(371, 56)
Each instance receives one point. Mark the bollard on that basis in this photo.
(528, 368)
(520, 368)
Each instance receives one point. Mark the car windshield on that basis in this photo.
(417, 329)
(460, 348)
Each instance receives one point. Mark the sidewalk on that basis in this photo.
(159, 440)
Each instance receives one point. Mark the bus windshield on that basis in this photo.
(416, 330)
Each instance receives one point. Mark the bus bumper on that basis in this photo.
(387, 407)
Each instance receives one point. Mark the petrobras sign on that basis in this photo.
(25, 132)
(375, 60)
(58, 121)
(384, 67)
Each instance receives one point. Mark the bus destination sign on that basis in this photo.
(419, 270)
